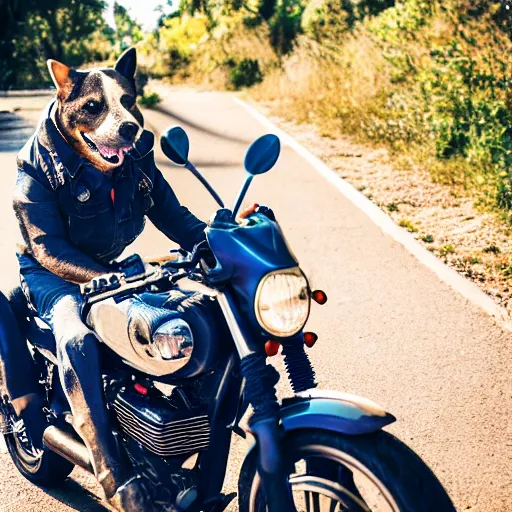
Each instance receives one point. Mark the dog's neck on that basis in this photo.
(55, 119)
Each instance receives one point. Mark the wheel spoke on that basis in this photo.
(307, 496)
(316, 502)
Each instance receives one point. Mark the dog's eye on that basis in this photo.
(93, 107)
(127, 101)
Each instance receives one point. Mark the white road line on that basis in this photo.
(460, 284)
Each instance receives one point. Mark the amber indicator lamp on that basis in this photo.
(319, 296)
(310, 339)
(272, 348)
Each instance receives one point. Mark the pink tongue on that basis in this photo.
(107, 151)
(111, 152)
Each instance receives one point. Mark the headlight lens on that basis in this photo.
(173, 340)
(282, 302)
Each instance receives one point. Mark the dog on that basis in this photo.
(96, 110)
(87, 180)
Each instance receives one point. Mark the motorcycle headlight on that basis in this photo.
(282, 302)
(172, 340)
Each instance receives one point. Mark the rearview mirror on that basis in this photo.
(175, 145)
(262, 154)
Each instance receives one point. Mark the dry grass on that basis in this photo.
(232, 41)
(334, 89)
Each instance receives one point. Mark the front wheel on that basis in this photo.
(331, 472)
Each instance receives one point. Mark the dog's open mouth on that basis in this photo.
(112, 156)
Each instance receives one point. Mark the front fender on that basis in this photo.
(333, 411)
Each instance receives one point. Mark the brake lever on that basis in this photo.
(187, 264)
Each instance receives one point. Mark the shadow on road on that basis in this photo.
(199, 127)
(14, 131)
(198, 163)
(75, 496)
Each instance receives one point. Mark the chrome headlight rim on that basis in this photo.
(296, 272)
(166, 337)
(171, 342)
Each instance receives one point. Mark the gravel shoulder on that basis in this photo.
(476, 244)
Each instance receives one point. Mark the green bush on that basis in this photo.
(285, 25)
(244, 73)
(451, 70)
(149, 100)
(329, 20)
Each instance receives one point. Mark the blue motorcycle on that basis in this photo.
(185, 342)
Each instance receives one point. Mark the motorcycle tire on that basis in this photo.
(41, 467)
(404, 476)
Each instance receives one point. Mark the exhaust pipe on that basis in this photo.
(66, 445)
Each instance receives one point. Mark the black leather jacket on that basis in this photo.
(67, 215)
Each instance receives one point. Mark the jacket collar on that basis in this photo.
(63, 155)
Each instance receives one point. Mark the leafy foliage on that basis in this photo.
(245, 73)
(71, 31)
(428, 78)
(149, 100)
(39, 30)
(285, 25)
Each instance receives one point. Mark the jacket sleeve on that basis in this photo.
(170, 217)
(44, 232)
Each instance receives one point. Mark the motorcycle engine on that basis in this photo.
(167, 426)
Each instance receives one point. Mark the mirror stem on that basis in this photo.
(241, 194)
(202, 179)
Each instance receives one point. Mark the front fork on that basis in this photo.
(260, 381)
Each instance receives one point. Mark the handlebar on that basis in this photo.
(162, 271)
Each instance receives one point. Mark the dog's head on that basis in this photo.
(96, 110)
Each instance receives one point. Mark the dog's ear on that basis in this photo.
(127, 63)
(60, 76)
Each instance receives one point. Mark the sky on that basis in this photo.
(142, 11)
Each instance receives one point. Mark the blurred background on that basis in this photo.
(427, 79)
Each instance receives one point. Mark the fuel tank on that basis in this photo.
(161, 334)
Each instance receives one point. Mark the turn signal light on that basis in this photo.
(143, 390)
(271, 348)
(319, 296)
(310, 339)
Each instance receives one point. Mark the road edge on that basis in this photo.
(446, 274)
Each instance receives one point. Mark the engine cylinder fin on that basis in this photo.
(171, 441)
(194, 428)
(163, 438)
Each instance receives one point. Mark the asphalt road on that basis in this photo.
(391, 330)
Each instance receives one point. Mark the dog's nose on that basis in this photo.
(128, 131)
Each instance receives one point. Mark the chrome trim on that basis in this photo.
(333, 454)
(241, 344)
(67, 446)
(165, 439)
(368, 406)
(175, 335)
(110, 322)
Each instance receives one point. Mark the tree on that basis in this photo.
(36, 30)
(63, 27)
(128, 32)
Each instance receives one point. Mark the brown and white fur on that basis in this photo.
(96, 110)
